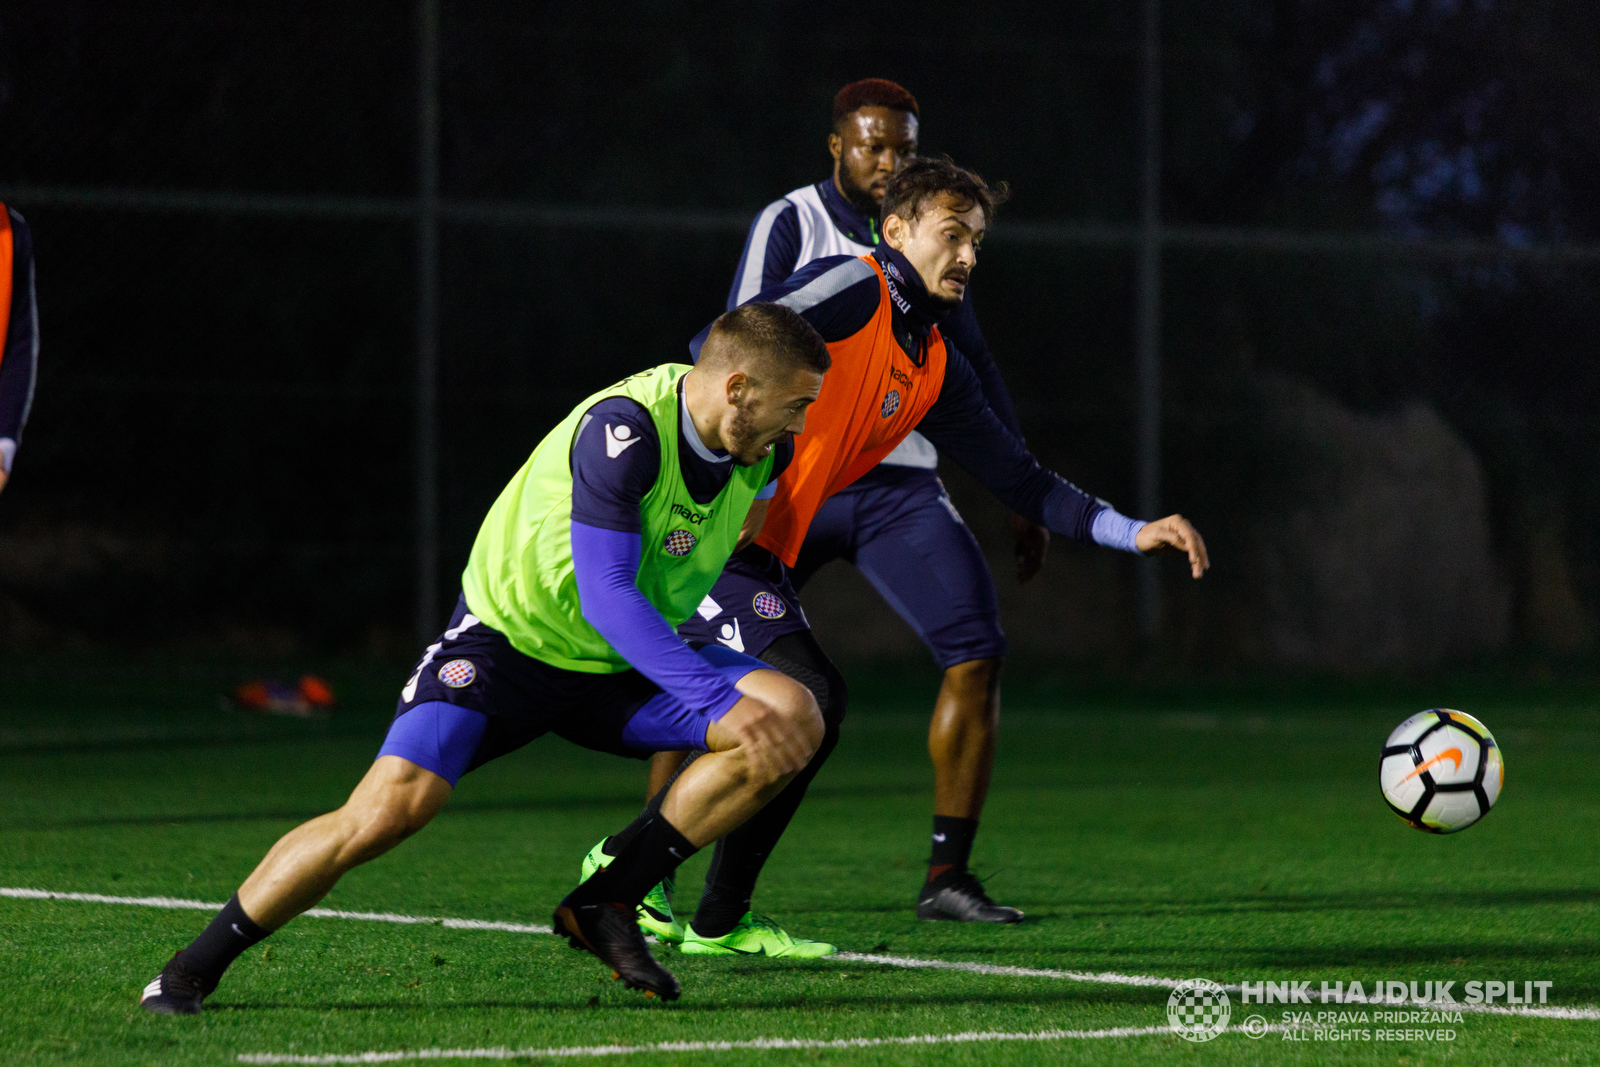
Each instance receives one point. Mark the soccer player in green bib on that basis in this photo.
(609, 536)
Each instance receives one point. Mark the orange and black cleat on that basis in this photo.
(611, 932)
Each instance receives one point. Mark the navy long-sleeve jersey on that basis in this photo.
(817, 221)
(839, 295)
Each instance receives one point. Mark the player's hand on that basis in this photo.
(3, 478)
(1174, 534)
(1032, 541)
(772, 744)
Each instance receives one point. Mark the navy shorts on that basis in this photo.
(752, 605)
(473, 698)
(898, 527)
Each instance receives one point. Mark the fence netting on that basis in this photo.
(1390, 444)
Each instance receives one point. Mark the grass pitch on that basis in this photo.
(1229, 835)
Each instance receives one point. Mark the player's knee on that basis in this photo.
(834, 699)
(796, 710)
(798, 657)
(385, 827)
(799, 708)
(381, 823)
(976, 678)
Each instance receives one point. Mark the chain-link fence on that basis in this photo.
(313, 282)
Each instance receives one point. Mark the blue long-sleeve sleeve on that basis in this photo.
(963, 426)
(19, 348)
(771, 252)
(961, 329)
(606, 565)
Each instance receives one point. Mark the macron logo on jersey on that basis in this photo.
(729, 635)
(619, 440)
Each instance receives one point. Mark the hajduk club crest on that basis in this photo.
(769, 605)
(458, 673)
(679, 543)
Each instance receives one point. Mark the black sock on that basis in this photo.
(737, 862)
(622, 838)
(952, 845)
(724, 901)
(654, 853)
(219, 944)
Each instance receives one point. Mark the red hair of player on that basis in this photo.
(873, 92)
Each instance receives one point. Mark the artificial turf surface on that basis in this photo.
(1225, 833)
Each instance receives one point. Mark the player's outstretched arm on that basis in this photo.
(961, 424)
(1175, 534)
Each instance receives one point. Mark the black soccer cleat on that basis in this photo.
(611, 932)
(175, 991)
(960, 896)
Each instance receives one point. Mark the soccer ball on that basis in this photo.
(1441, 771)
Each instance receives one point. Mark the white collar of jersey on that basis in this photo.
(692, 435)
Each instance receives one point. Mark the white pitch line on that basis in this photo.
(1100, 978)
(763, 1044)
(315, 913)
(905, 962)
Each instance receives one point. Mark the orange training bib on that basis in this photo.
(5, 277)
(872, 397)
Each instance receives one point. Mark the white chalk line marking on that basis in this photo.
(763, 1044)
(906, 962)
(315, 913)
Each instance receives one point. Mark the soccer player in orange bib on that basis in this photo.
(892, 372)
(19, 335)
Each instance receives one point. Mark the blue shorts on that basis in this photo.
(473, 698)
(899, 528)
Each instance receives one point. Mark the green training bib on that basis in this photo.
(520, 577)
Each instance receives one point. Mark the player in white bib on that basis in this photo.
(897, 524)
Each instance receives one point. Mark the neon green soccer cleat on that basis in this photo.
(655, 914)
(756, 935)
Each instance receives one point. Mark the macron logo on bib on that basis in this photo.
(619, 440)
